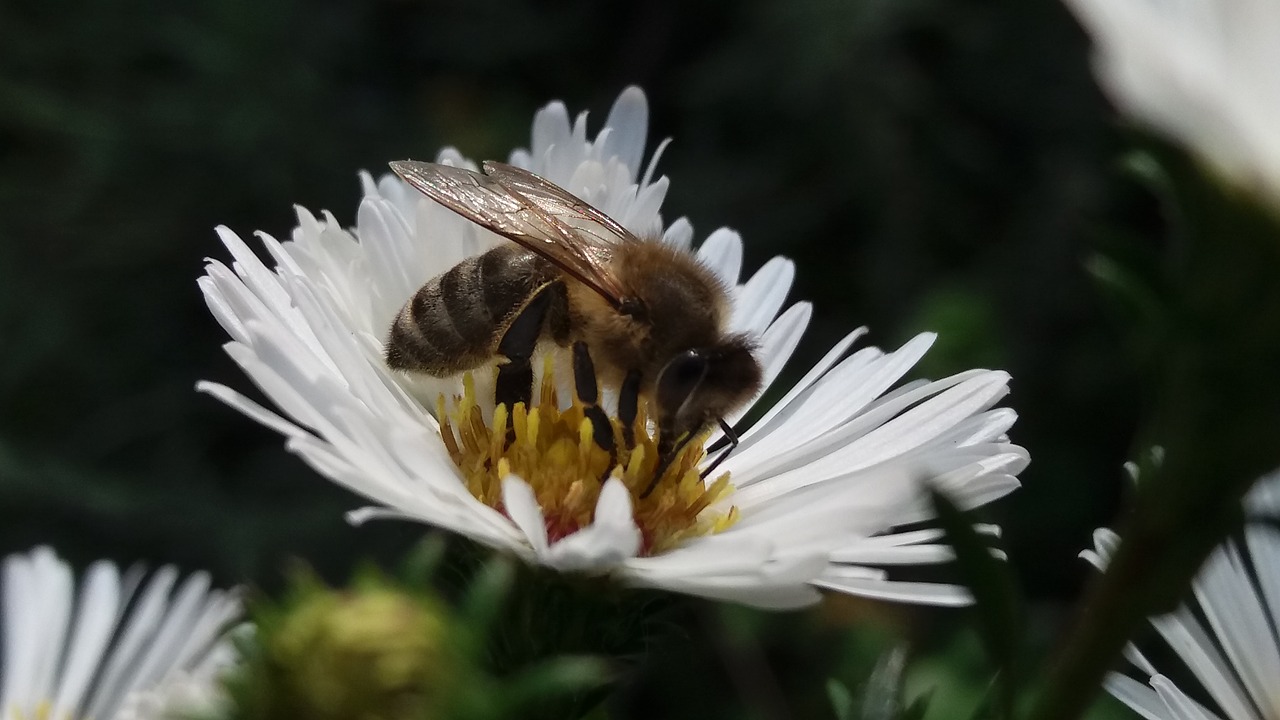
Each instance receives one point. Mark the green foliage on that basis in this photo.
(369, 651)
(550, 615)
(997, 604)
(1214, 407)
(882, 699)
(394, 650)
(841, 700)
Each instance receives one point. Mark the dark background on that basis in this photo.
(930, 164)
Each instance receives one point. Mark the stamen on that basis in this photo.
(558, 453)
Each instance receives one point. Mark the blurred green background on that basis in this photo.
(930, 164)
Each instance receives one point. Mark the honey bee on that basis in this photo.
(655, 318)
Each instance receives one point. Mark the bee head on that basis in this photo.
(697, 386)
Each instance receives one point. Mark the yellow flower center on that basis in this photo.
(554, 452)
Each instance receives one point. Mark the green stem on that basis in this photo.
(1149, 561)
(1216, 409)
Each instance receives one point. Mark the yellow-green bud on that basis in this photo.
(369, 653)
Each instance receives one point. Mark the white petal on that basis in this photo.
(523, 509)
(1177, 702)
(757, 303)
(164, 651)
(706, 556)
(868, 552)
(1105, 542)
(1200, 73)
(250, 408)
(1189, 641)
(752, 586)
(1135, 656)
(831, 413)
(144, 619)
(99, 599)
(642, 216)
(1140, 698)
(384, 232)
(1264, 545)
(653, 162)
(1233, 609)
(629, 121)
(550, 129)
(908, 592)
(679, 234)
(722, 253)
(784, 408)
(1264, 497)
(745, 591)
(611, 538)
(54, 617)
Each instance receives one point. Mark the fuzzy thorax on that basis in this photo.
(553, 450)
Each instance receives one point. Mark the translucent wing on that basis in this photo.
(591, 226)
(492, 204)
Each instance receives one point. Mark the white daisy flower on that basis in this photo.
(183, 696)
(810, 499)
(115, 649)
(1227, 636)
(1202, 72)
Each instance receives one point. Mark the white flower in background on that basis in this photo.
(1227, 637)
(120, 648)
(1203, 72)
(810, 499)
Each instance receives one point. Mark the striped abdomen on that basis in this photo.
(456, 320)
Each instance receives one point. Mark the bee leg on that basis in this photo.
(628, 407)
(668, 449)
(584, 380)
(729, 435)
(515, 376)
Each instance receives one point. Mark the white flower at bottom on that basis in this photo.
(101, 654)
(1234, 651)
(1203, 72)
(182, 695)
(810, 499)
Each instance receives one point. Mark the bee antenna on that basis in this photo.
(729, 435)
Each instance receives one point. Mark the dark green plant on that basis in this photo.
(394, 649)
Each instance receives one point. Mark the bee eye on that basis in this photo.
(679, 379)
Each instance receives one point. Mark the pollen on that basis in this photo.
(556, 453)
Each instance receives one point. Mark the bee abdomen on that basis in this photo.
(454, 322)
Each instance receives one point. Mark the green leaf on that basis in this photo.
(883, 697)
(564, 675)
(997, 608)
(1141, 305)
(1145, 167)
(486, 594)
(986, 707)
(841, 699)
(421, 564)
(916, 709)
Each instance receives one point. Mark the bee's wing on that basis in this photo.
(494, 205)
(591, 226)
